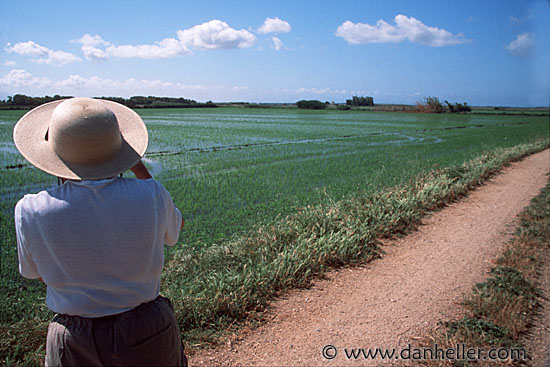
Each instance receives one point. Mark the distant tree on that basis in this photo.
(464, 107)
(311, 105)
(138, 100)
(120, 100)
(450, 106)
(360, 101)
(21, 100)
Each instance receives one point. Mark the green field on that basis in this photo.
(232, 169)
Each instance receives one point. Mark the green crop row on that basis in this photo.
(229, 168)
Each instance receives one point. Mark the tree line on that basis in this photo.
(355, 101)
(22, 101)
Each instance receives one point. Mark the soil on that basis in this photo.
(419, 282)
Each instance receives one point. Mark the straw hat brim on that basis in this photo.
(30, 137)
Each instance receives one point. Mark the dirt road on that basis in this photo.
(390, 302)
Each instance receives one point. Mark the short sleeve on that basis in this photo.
(173, 228)
(27, 267)
(173, 219)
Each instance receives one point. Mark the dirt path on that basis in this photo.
(390, 302)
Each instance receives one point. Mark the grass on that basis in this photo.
(23, 343)
(501, 308)
(272, 198)
(229, 169)
(211, 289)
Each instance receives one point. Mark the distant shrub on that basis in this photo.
(458, 107)
(430, 104)
(311, 105)
(344, 107)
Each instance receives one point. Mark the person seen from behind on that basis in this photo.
(97, 240)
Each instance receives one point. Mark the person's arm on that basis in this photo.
(141, 171)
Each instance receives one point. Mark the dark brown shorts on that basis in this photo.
(147, 335)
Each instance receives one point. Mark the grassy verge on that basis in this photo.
(501, 308)
(214, 288)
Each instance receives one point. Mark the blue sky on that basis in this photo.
(492, 52)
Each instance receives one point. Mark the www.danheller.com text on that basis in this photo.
(460, 352)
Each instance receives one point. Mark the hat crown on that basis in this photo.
(84, 131)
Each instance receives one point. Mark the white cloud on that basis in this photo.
(58, 58)
(21, 81)
(97, 86)
(319, 91)
(94, 53)
(405, 28)
(215, 34)
(514, 20)
(89, 40)
(41, 54)
(522, 45)
(358, 33)
(168, 47)
(210, 35)
(18, 78)
(27, 48)
(277, 43)
(274, 25)
(10, 63)
(89, 49)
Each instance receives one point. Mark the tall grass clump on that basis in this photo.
(213, 288)
(500, 309)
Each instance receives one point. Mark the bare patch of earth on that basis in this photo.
(393, 301)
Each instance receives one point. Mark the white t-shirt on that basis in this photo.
(98, 245)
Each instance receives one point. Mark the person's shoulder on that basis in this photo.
(30, 198)
(155, 183)
(137, 181)
(147, 184)
(24, 202)
(29, 202)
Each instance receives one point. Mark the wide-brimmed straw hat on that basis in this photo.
(81, 138)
